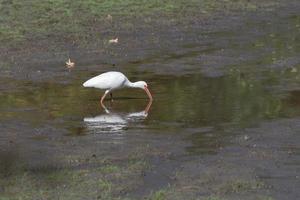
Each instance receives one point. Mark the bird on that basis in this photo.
(113, 80)
(70, 64)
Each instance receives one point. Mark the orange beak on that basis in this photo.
(148, 93)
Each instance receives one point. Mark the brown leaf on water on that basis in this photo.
(111, 41)
(70, 64)
(294, 70)
(109, 17)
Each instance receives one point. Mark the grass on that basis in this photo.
(110, 169)
(106, 181)
(265, 198)
(75, 20)
(237, 186)
(64, 184)
(158, 195)
(211, 198)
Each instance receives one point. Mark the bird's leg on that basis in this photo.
(111, 96)
(111, 99)
(105, 109)
(103, 97)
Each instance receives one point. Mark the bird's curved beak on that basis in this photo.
(148, 93)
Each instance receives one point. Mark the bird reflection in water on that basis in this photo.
(114, 122)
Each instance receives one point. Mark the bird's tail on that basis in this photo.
(87, 84)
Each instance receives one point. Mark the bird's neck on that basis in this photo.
(131, 84)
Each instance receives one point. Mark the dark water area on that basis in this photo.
(229, 95)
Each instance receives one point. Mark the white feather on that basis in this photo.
(107, 81)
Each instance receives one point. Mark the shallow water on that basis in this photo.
(204, 93)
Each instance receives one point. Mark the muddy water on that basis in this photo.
(232, 86)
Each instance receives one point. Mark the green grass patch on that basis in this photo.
(158, 195)
(110, 169)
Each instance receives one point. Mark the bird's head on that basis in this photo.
(143, 85)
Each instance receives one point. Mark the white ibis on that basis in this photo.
(110, 81)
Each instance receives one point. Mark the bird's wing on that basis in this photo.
(111, 80)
